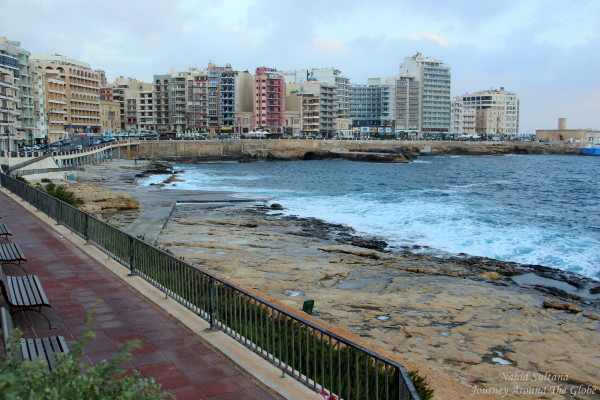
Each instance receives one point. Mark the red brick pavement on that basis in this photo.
(185, 365)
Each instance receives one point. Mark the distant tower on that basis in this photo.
(562, 124)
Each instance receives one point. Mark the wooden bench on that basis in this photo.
(4, 231)
(31, 349)
(23, 293)
(11, 253)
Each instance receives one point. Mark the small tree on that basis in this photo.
(72, 380)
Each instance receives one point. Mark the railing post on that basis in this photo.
(86, 234)
(59, 215)
(131, 256)
(211, 302)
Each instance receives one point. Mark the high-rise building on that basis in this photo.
(387, 106)
(433, 77)
(17, 61)
(40, 117)
(408, 106)
(146, 118)
(161, 102)
(365, 107)
(269, 97)
(496, 112)
(197, 101)
(9, 98)
(56, 103)
(82, 89)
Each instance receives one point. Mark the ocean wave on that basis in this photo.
(481, 206)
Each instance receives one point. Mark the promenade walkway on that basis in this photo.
(185, 364)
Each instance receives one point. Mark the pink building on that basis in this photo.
(269, 97)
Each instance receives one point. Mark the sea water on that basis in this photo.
(531, 209)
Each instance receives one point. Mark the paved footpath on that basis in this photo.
(185, 365)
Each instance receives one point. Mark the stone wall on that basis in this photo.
(293, 149)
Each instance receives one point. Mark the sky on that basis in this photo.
(545, 51)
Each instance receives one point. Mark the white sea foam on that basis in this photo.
(478, 206)
(451, 228)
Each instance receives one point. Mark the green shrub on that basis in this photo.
(425, 392)
(21, 179)
(61, 193)
(72, 380)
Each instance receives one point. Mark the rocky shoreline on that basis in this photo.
(467, 323)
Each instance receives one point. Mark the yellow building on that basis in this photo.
(82, 98)
(110, 116)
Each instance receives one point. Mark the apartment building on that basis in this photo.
(269, 109)
(145, 110)
(181, 101)
(321, 103)
(197, 101)
(125, 92)
(110, 116)
(82, 92)
(56, 103)
(310, 109)
(221, 98)
(365, 107)
(387, 95)
(9, 100)
(408, 106)
(17, 61)
(327, 75)
(40, 118)
(434, 79)
(463, 120)
(496, 112)
(207, 100)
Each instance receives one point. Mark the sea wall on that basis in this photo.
(293, 149)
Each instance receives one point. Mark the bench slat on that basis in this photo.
(40, 295)
(24, 350)
(29, 291)
(48, 352)
(31, 350)
(21, 291)
(60, 345)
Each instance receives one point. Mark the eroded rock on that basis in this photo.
(561, 305)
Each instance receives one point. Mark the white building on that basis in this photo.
(463, 119)
(17, 68)
(433, 108)
(387, 110)
(497, 112)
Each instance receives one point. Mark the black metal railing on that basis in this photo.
(316, 357)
